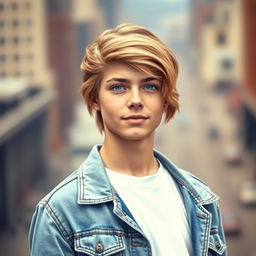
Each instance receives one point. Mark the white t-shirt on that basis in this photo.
(157, 207)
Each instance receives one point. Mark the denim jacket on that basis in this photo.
(84, 215)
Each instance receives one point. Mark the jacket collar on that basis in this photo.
(93, 183)
(94, 186)
(196, 187)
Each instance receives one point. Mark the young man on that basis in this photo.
(126, 198)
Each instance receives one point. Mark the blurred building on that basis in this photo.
(223, 34)
(61, 39)
(249, 84)
(221, 45)
(89, 23)
(25, 96)
(91, 18)
(23, 42)
(24, 151)
(201, 14)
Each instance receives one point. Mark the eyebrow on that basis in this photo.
(124, 80)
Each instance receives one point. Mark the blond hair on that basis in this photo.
(137, 47)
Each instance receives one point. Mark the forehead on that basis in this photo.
(123, 70)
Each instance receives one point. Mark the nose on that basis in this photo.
(135, 101)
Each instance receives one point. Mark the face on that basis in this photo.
(130, 102)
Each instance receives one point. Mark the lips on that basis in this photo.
(135, 117)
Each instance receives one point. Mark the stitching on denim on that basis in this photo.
(179, 178)
(197, 197)
(82, 186)
(95, 201)
(199, 203)
(190, 190)
(208, 222)
(221, 243)
(81, 183)
(58, 223)
(118, 233)
(125, 219)
(214, 231)
(62, 184)
(120, 245)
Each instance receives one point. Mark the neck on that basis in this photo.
(133, 157)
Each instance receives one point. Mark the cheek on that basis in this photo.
(158, 106)
(108, 111)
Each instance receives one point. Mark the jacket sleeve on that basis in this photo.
(47, 236)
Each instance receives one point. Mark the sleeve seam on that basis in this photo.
(57, 222)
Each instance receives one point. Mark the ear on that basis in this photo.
(96, 105)
(165, 105)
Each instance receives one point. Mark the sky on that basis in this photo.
(163, 17)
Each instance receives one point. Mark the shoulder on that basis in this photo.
(62, 194)
(195, 186)
(193, 179)
(198, 187)
(177, 172)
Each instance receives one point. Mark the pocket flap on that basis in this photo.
(99, 244)
(216, 244)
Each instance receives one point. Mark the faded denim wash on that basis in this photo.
(84, 215)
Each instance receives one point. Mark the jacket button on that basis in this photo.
(218, 245)
(99, 248)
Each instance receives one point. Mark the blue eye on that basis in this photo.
(150, 87)
(117, 88)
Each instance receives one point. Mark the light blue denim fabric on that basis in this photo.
(84, 215)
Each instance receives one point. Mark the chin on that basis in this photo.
(131, 135)
(137, 136)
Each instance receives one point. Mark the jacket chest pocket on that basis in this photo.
(99, 244)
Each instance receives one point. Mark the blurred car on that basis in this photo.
(231, 224)
(233, 155)
(248, 193)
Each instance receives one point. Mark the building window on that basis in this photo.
(16, 40)
(2, 58)
(28, 5)
(28, 22)
(15, 23)
(16, 57)
(227, 64)
(1, 23)
(2, 40)
(14, 6)
(1, 7)
(221, 38)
